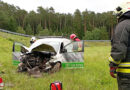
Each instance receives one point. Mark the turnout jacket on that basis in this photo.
(120, 51)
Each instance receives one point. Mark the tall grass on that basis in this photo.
(94, 76)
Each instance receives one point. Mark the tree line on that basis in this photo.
(45, 21)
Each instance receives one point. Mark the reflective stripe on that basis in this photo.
(112, 60)
(123, 70)
(124, 65)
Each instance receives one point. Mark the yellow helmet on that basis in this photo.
(122, 9)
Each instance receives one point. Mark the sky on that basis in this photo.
(67, 6)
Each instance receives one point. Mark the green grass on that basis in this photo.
(94, 76)
(12, 38)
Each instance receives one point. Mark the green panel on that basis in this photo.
(16, 62)
(73, 65)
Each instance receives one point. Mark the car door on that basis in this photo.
(17, 50)
(74, 55)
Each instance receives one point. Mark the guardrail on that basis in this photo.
(6, 31)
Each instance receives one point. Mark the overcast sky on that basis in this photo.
(67, 6)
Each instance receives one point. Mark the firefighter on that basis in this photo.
(78, 46)
(73, 37)
(120, 51)
(33, 39)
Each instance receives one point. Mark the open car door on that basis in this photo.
(74, 55)
(18, 49)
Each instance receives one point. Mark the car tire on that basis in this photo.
(56, 68)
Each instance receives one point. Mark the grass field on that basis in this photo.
(94, 76)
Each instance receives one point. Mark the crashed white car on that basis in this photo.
(49, 54)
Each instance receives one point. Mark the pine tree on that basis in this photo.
(77, 23)
(39, 29)
(29, 30)
(20, 30)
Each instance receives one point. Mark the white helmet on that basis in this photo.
(123, 8)
(33, 39)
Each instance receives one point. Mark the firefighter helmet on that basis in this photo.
(33, 39)
(72, 36)
(122, 8)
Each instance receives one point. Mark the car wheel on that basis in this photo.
(56, 67)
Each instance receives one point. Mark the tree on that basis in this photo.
(44, 16)
(20, 30)
(29, 30)
(3, 20)
(12, 24)
(20, 17)
(77, 24)
(85, 16)
(104, 34)
(39, 29)
(31, 19)
(97, 34)
(44, 32)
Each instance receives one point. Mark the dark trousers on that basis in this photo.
(123, 81)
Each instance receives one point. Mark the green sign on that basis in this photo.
(73, 65)
(16, 62)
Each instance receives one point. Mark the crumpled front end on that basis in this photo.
(35, 62)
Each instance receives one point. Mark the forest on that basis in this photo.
(87, 25)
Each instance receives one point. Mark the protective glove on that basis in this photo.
(113, 68)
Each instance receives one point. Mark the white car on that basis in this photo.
(49, 54)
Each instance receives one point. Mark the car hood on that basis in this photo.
(41, 46)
